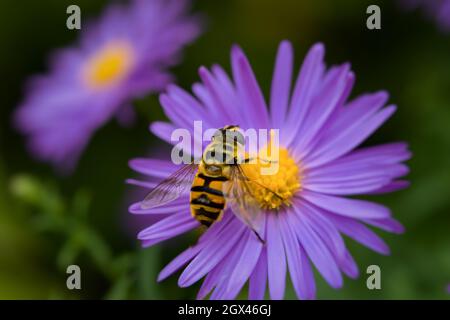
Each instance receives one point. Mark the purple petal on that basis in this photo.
(238, 268)
(206, 99)
(180, 261)
(356, 112)
(387, 224)
(218, 277)
(323, 106)
(349, 266)
(246, 263)
(209, 283)
(281, 84)
(202, 242)
(317, 251)
(153, 167)
(249, 90)
(258, 278)
(355, 172)
(229, 91)
(180, 114)
(348, 187)
(276, 259)
(348, 139)
(164, 130)
(220, 98)
(169, 227)
(306, 86)
(392, 187)
(390, 153)
(212, 254)
(299, 267)
(360, 233)
(189, 106)
(318, 221)
(359, 209)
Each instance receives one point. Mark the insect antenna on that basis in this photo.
(259, 237)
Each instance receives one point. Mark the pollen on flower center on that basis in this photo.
(285, 181)
(108, 65)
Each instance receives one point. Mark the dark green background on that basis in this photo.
(408, 57)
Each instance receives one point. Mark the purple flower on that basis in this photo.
(437, 10)
(319, 168)
(124, 55)
(448, 288)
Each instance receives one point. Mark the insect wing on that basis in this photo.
(240, 198)
(171, 188)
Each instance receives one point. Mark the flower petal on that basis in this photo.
(249, 90)
(180, 261)
(323, 105)
(306, 85)
(231, 281)
(319, 222)
(212, 254)
(258, 278)
(245, 264)
(392, 187)
(276, 259)
(281, 84)
(348, 139)
(153, 167)
(169, 227)
(360, 233)
(202, 242)
(387, 224)
(317, 251)
(359, 209)
(299, 267)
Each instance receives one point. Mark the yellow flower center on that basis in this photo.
(109, 65)
(272, 191)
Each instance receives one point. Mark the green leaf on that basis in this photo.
(148, 273)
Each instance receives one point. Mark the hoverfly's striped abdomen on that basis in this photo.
(207, 199)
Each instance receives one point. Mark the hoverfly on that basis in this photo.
(214, 183)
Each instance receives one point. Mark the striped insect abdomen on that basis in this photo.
(207, 200)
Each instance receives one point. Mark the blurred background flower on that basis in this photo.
(407, 56)
(123, 55)
(437, 10)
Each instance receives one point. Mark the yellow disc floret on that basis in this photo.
(109, 65)
(275, 179)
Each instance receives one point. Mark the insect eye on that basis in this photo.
(235, 137)
(217, 135)
(210, 156)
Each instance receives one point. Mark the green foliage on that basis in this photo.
(130, 274)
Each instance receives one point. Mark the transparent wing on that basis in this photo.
(171, 188)
(240, 197)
